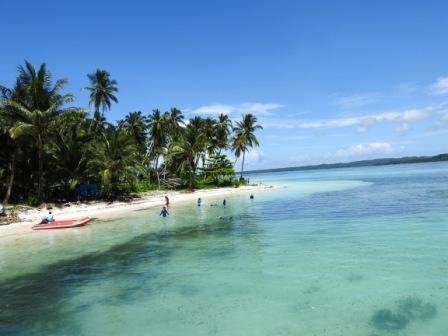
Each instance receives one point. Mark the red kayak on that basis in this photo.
(62, 224)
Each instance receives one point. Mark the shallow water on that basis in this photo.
(337, 252)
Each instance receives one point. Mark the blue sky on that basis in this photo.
(330, 81)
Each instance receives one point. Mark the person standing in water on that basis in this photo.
(167, 201)
(224, 203)
(164, 212)
(199, 201)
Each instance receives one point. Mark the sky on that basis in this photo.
(329, 81)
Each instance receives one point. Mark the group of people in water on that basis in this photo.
(164, 212)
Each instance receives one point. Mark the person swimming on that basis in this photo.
(164, 212)
(251, 196)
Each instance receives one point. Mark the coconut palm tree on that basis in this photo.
(157, 138)
(135, 125)
(175, 120)
(102, 91)
(186, 152)
(39, 105)
(68, 149)
(115, 161)
(223, 130)
(245, 137)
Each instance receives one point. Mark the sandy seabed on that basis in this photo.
(103, 210)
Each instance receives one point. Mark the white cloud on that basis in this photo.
(414, 115)
(365, 149)
(355, 101)
(366, 122)
(237, 109)
(252, 158)
(402, 128)
(440, 87)
(214, 109)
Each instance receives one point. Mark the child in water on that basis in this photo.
(164, 212)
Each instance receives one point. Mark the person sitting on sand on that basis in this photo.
(48, 218)
(164, 212)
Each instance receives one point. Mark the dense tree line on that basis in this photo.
(48, 147)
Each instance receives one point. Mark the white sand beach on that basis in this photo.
(102, 210)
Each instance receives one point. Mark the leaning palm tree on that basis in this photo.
(102, 91)
(245, 137)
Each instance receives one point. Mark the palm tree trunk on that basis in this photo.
(157, 170)
(41, 167)
(242, 166)
(11, 178)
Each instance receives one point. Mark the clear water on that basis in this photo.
(330, 252)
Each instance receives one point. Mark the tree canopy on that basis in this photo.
(52, 148)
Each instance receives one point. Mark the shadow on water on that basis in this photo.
(410, 309)
(36, 304)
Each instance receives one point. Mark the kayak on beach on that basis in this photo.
(61, 224)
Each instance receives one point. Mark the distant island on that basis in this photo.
(362, 163)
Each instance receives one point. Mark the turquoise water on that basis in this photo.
(328, 252)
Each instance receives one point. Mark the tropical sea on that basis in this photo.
(348, 251)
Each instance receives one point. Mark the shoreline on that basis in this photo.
(102, 210)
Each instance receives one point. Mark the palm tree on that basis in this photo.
(39, 105)
(135, 125)
(157, 138)
(115, 160)
(102, 91)
(245, 137)
(68, 150)
(223, 130)
(175, 120)
(10, 146)
(186, 152)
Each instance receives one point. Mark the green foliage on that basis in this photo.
(48, 147)
(142, 186)
(32, 200)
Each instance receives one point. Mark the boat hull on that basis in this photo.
(62, 224)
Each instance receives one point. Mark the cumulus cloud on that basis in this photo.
(365, 149)
(440, 87)
(237, 109)
(355, 101)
